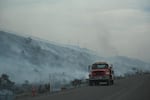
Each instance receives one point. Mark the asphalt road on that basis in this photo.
(133, 88)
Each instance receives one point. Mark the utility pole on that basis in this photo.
(50, 82)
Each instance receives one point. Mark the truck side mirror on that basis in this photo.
(112, 72)
(111, 65)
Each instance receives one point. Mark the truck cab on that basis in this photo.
(101, 72)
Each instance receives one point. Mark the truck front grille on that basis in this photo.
(98, 73)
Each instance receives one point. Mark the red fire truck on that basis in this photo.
(101, 72)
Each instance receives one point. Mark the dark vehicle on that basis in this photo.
(101, 72)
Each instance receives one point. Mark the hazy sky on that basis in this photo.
(109, 27)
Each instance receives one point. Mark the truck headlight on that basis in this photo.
(107, 73)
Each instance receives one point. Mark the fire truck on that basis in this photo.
(101, 72)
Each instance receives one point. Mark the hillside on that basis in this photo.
(27, 58)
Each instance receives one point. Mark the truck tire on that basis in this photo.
(90, 83)
(112, 82)
(108, 82)
(96, 83)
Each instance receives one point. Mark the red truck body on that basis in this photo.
(101, 72)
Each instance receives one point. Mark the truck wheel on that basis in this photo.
(112, 82)
(90, 83)
(96, 83)
(108, 82)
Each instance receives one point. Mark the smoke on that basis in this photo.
(28, 59)
(109, 28)
(103, 38)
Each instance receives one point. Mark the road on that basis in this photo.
(132, 88)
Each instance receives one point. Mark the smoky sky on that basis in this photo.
(109, 27)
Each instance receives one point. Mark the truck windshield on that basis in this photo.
(99, 66)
